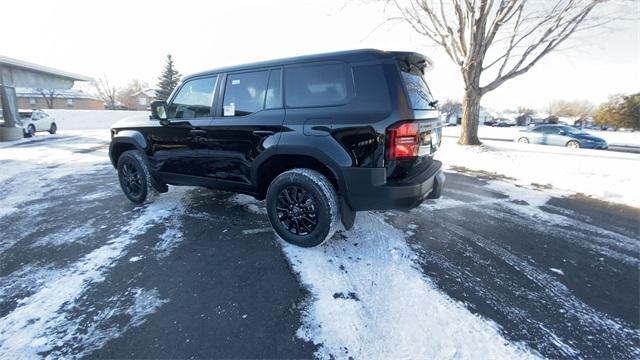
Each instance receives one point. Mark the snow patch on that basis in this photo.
(250, 203)
(557, 271)
(606, 175)
(44, 314)
(398, 312)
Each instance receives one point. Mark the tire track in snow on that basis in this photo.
(550, 293)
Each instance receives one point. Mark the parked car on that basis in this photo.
(560, 135)
(33, 121)
(502, 122)
(319, 137)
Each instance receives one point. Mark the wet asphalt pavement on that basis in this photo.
(198, 274)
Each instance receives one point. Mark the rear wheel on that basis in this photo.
(303, 207)
(53, 128)
(134, 177)
(523, 140)
(573, 144)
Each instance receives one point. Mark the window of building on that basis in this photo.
(244, 93)
(32, 101)
(194, 99)
(69, 102)
(317, 85)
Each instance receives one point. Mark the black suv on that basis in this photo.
(320, 137)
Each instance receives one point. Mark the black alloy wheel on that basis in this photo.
(297, 210)
(133, 177)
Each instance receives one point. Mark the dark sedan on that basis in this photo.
(560, 135)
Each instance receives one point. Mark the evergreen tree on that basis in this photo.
(168, 80)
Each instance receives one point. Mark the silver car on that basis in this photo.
(560, 135)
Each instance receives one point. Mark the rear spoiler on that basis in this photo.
(411, 60)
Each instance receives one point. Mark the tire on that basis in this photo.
(31, 131)
(573, 144)
(134, 177)
(53, 128)
(523, 140)
(303, 207)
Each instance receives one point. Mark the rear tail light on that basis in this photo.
(404, 141)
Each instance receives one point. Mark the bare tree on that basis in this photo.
(125, 95)
(48, 95)
(493, 41)
(580, 109)
(107, 92)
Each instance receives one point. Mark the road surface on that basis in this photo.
(198, 273)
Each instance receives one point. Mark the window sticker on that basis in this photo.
(230, 110)
(235, 81)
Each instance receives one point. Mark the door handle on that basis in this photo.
(197, 132)
(263, 133)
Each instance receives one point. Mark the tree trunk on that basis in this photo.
(470, 118)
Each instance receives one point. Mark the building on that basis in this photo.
(30, 98)
(455, 117)
(141, 100)
(38, 86)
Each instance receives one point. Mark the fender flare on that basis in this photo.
(316, 153)
(131, 137)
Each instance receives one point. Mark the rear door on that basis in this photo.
(246, 125)
(180, 147)
(552, 136)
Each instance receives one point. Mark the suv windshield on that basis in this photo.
(419, 92)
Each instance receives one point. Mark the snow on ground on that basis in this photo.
(370, 301)
(605, 175)
(90, 119)
(623, 138)
(41, 321)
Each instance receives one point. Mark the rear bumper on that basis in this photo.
(367, 188)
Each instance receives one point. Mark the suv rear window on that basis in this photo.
(419, 93)
(318, 85)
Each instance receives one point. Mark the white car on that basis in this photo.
(33, 121)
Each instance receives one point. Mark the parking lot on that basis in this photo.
(490, 270)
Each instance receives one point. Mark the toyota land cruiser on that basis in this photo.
(319, 137)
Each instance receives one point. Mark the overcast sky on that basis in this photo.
(129, 39)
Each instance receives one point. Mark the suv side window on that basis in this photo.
(194, 99)
(244, 93)
(318, 85)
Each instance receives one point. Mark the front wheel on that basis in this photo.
(53, 128)
(134, 177)
(303, 207)
(573, 144)
(523, 140)
(31, 131)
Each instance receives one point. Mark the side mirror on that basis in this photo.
(159, 110)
